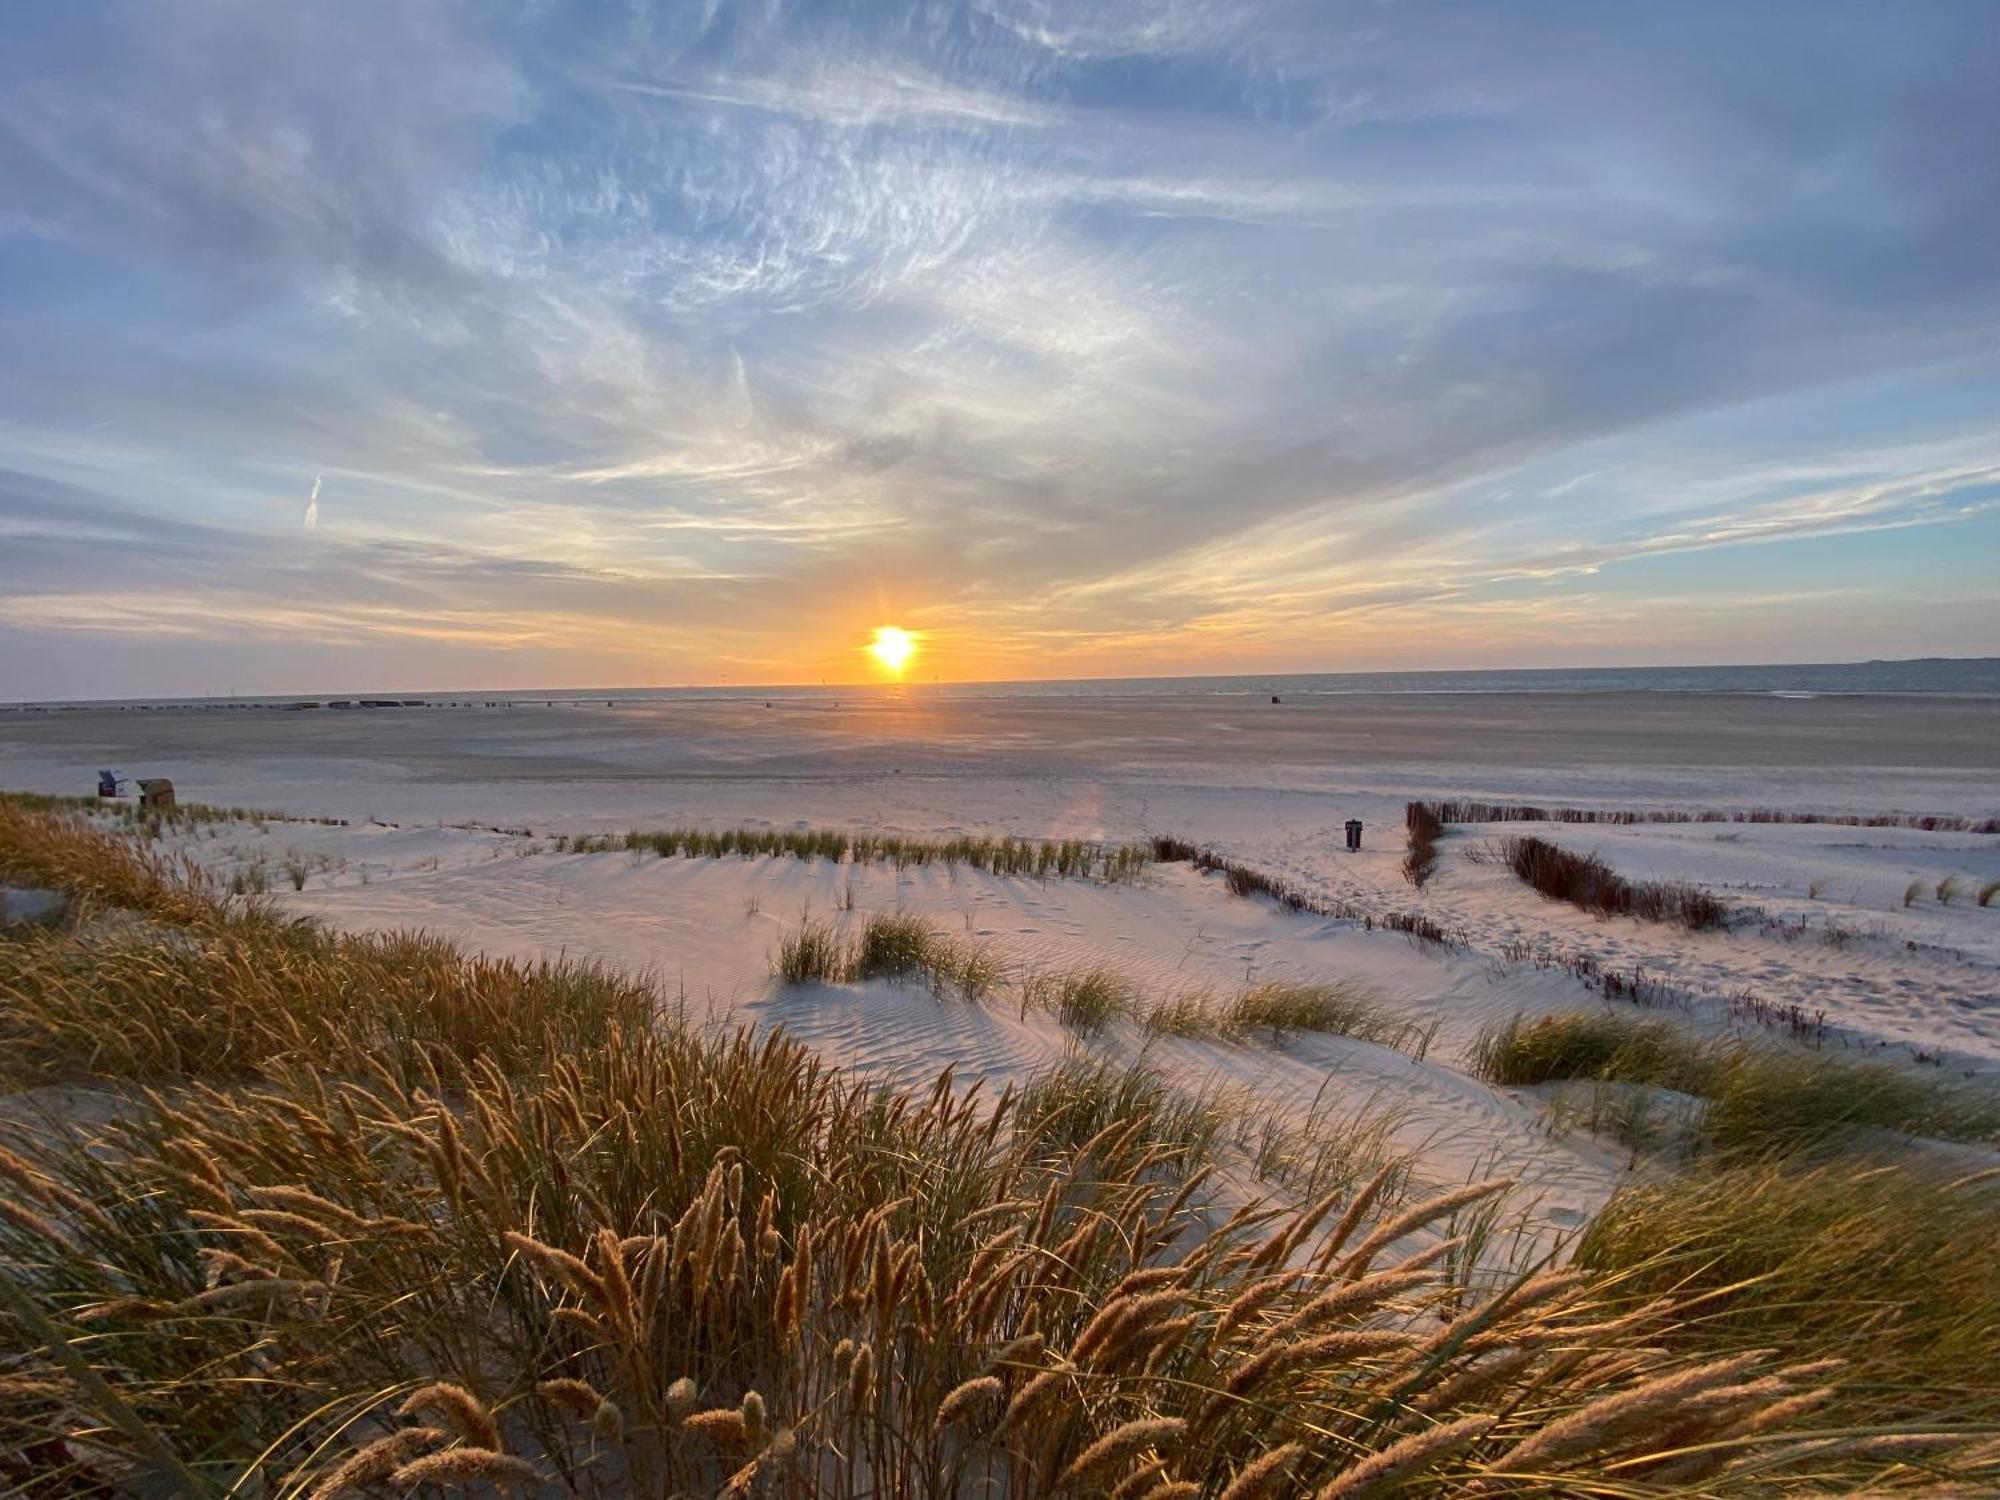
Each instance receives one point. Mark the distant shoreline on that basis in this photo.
(1929, 677)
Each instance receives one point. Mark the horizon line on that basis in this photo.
(547, 693)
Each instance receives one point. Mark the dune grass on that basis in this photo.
(96, 865)
(1865, 1260)
(1085, 1000)
(1759, 1098)
(1465, 810)
(1311, 1007)
(1040, 859)
(1595, 1044)
(1276, 1008)
(904, 948)
(813, 953)
(1081, 1098)
(1587, 882)
(513, 1225)
(1337, 1144)
(891, 946)
(227, 999)
(1765, 1095)
(1191, 1013)
(156, 822)
(1249, 882)
(1425, 828)
(621, 1276)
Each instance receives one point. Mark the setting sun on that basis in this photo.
(893, 647)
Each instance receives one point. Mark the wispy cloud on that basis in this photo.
(1122, 336)
(846, 92)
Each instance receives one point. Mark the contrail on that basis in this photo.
(312, 504)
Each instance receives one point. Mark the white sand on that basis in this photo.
(1269, 785)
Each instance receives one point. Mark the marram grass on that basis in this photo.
(1042, 859)
(1759, 1096)
(1587, 882)
(902, 947)
(889, 946)
(511, 1230)
(1885, 1265)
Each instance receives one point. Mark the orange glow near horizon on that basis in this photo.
(892, 648)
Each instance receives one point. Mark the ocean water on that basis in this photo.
(1977, 677)
(1965, 677)
(1956, 677)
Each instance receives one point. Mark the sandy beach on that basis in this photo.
(454, 817)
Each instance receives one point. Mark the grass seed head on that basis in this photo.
(573, 1398)
(970, 1400)
(755, 1428)
(1381, 1472)
(1120, 1444)
(1264, 1476)
(721, 1425)
(459, 1409)
(465, 1466)
(377, 1460)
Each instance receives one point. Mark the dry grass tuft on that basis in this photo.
(1425, 829)
(1585, 881)
(814, 954)
(1086, 1000)
(890, 946)
(1191, 1013)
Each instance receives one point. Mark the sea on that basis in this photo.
(1960, 677)
(1977, 677)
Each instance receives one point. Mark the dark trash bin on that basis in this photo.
(1353, 833)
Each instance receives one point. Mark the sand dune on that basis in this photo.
(1822, 922)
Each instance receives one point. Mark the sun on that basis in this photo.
(893, 647)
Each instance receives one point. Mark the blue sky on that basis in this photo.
(663, 343)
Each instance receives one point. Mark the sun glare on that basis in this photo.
(893, 647)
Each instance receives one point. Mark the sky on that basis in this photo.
(418, 343)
